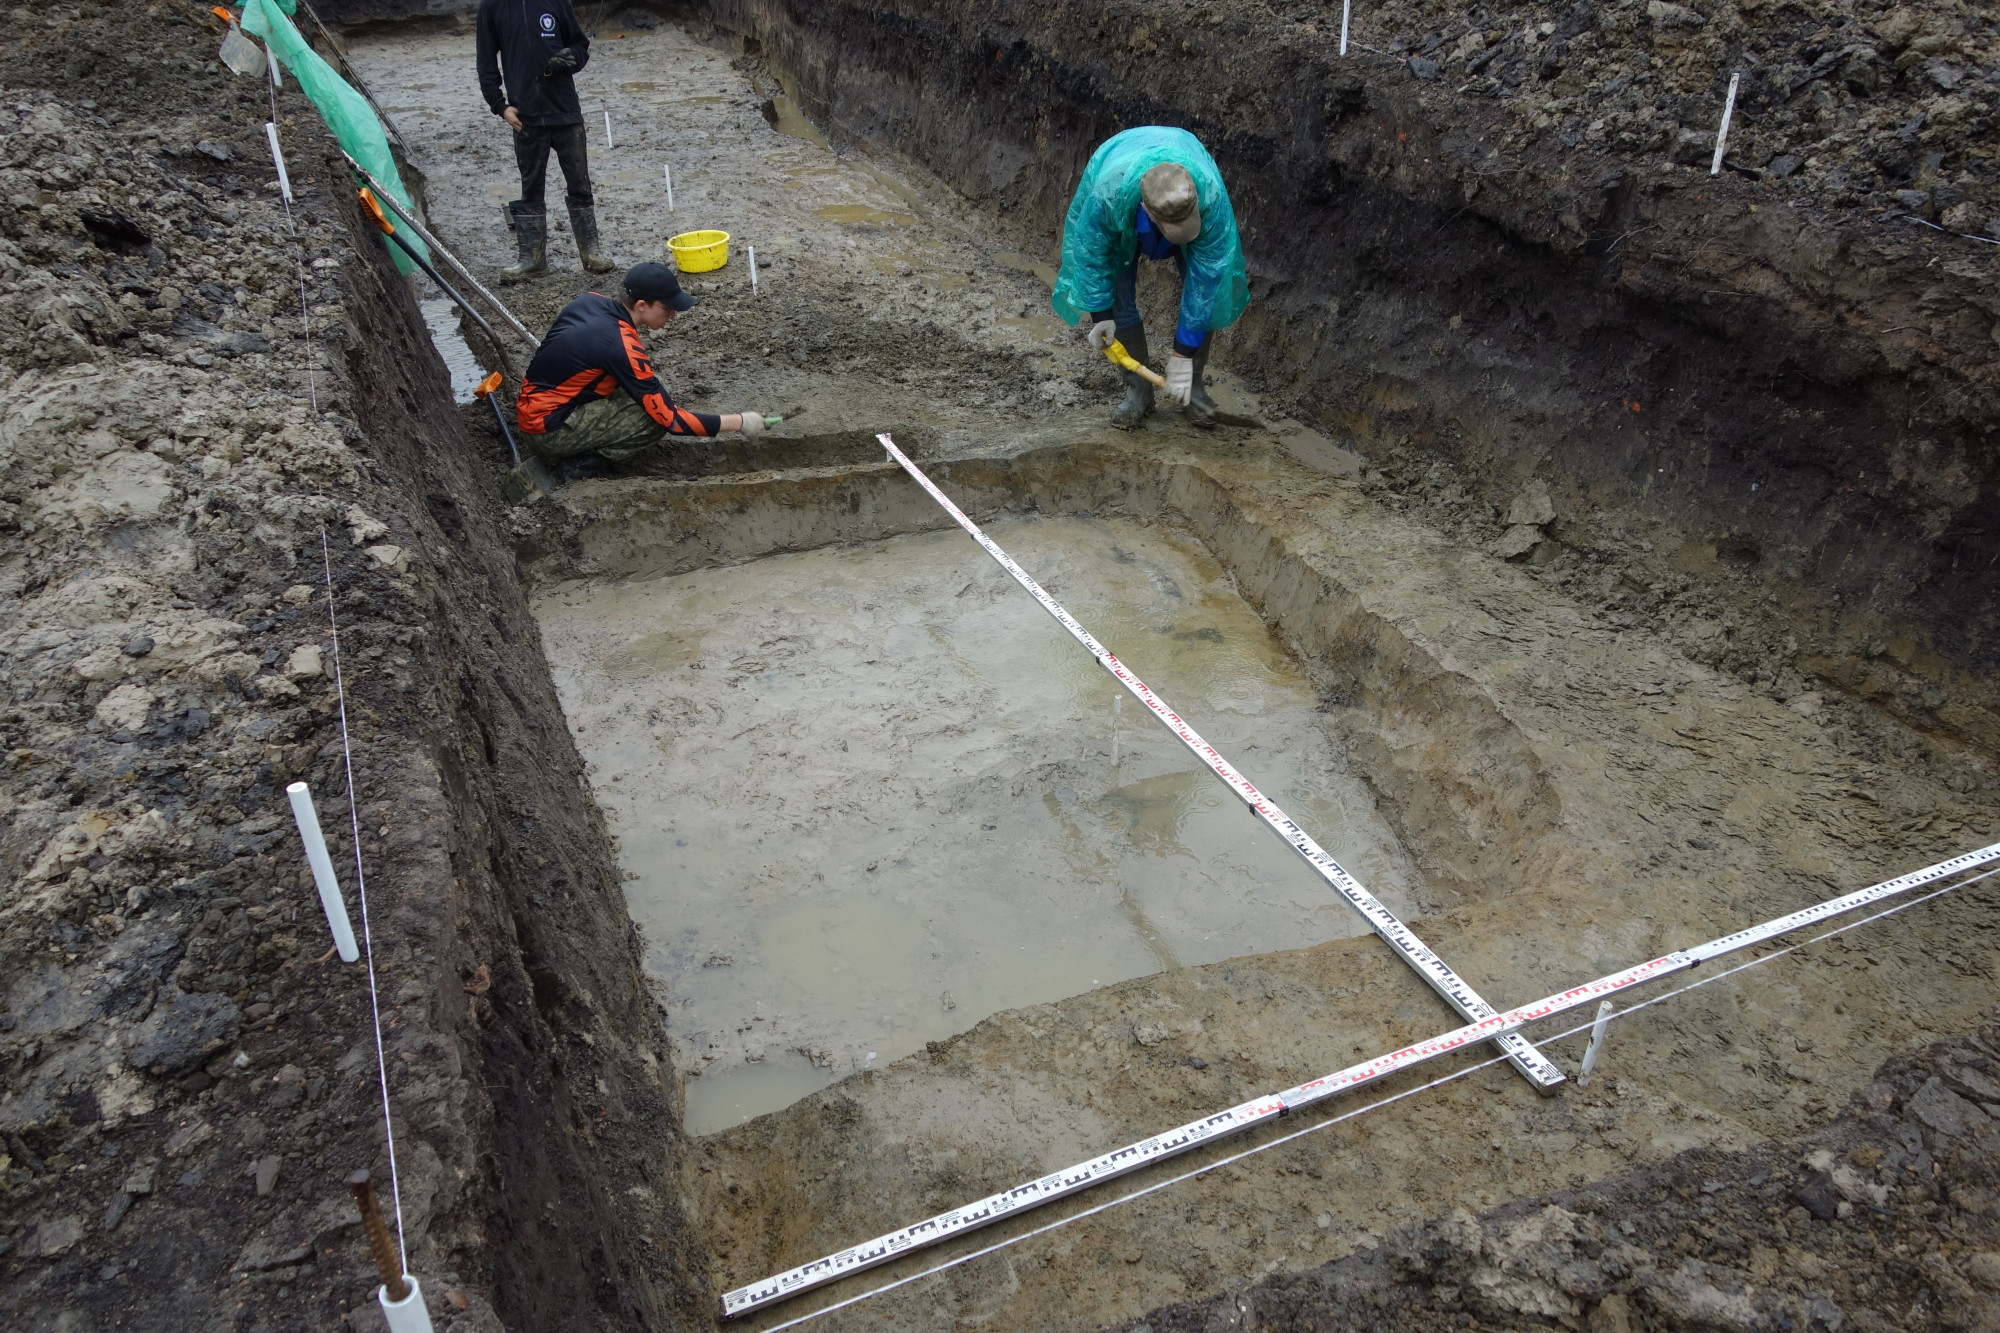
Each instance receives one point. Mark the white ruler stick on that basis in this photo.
(1059, 1184)
(1433, 969)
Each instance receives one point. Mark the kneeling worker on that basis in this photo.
(570, 404)
(1152, 192)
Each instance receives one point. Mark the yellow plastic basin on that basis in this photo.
(699, 251)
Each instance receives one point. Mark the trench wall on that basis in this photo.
(1719, 386)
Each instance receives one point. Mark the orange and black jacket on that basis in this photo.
(592, 351)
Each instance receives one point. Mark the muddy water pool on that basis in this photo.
(866, 796)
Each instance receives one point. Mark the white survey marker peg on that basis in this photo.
(322, 868)
(1591, 1051)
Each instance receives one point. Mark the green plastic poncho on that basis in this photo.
(1101, 236)
(345, 111)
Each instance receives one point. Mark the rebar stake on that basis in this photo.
(393, 1282)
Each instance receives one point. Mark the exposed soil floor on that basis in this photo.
(935, 807)
(1575, 791)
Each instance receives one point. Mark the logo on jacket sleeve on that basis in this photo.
(548, 25)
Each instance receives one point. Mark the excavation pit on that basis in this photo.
(868, 794)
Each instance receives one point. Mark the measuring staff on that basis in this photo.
(570, 404)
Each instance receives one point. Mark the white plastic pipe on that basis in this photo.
(607, 131)
(322, 868)
(1722, 135)
(1596, 1043)
(407, 1315)
(278, 160)
(1345, 6)
(668, 168)
(753, 270)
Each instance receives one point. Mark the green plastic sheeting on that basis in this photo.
(1101, 234)
(345, 111)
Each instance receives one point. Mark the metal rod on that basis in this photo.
(390, 1271)
(499, 348)
(1531, 1064)
(382, 193)
(1060, 1184)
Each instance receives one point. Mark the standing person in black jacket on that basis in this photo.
(533, 47)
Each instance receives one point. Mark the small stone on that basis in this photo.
(298, 594)
(1516, 542)
(948, 1001)
(125, 708)
(1532, 505)
(1983, 1267)
(139, 1182)
(55, 1236)
(389, 557)
(455, 1298)
(1945, 1111)
(1816, 1197)
(364, 527)
(1963, 217)
(1807, 704)
(305, 662)
(267, 1174)
(186, 1138)
(210, 148)
(138, 645)
(121, 1204)
(1422, 68)
(1195, 1062)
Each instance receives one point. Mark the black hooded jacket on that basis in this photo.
(518, 38)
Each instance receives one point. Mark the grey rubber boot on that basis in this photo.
(1138, 389)
(583, 225)
(532, 231)
(1200, 408)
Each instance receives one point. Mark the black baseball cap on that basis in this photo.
(656, 282)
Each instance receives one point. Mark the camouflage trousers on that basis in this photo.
(614, 427)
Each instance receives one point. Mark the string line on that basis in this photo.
(361, 892)
(1379, 1103)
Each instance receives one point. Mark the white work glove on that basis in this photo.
(1102, 334)
(1180, 378)
(753, 423)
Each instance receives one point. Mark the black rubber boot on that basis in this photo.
(1200, 407)
(583, 225)
(1138, 389)
(531, 230)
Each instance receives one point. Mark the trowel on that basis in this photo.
(529, 480)
(1120, 357)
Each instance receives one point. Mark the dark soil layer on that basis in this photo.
(1764, 397)
(185, 1081)
(1884, 1220)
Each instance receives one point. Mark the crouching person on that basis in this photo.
(571, 404)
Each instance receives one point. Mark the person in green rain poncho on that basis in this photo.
(1152, 192)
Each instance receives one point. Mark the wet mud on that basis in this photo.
(924, 803)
